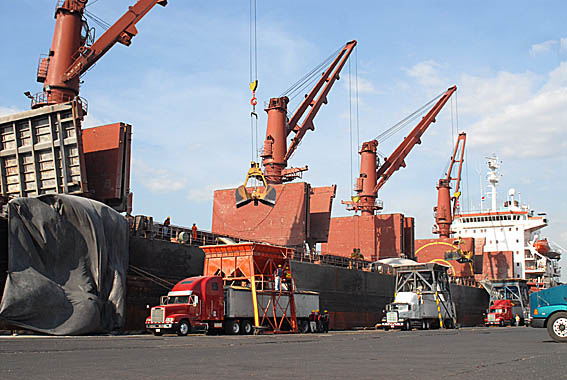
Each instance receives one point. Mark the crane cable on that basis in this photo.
(253, 81)
(405, 121)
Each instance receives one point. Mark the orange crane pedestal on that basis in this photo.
(255, 266)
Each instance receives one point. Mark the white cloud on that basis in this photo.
(156, 180)
(563, 44)
(517, 119)
(205, 193)
(365, 86)
(428, 74)
(482, 95)
(542, 47)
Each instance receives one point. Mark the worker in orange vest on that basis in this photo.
(194, 229)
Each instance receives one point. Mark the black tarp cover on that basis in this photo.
(67, 265)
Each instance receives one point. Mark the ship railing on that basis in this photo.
(340, 261)
(465, 281)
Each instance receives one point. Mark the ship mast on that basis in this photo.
(493, 178)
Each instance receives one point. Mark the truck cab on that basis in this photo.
(500, 313)
(419, 310)
(548, 308)
(191, 301)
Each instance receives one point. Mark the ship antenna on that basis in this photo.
(493, 177)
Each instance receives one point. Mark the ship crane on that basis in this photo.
(276, 153)
(446, 204)
(372, 177)
(70, 55)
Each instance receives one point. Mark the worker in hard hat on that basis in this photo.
(278, 274)
(318, 320)
(313, 321)
(325, 321)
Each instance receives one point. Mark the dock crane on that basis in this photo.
(372, 177)
(71, 53)
(276, 152)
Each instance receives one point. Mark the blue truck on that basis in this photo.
(549, 309)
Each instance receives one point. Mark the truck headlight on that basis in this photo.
(169, 320)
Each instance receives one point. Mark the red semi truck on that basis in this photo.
(500, 314)
(203, 303)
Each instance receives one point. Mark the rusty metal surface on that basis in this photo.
(377, 236)
(286, 223)
(41, 152)
(107, 150)
(320, 207)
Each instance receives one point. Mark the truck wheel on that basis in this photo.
(246, 327)
(232, 327)
(304, 327)
(557, 327)
(407, 325)
(183, 328)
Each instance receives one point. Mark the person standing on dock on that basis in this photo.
(194, 231)
(325, 321)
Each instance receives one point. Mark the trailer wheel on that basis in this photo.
(232, 327)
(557, 327)
(448, 324)
(183, 328)
(246, 327)
(425, 324)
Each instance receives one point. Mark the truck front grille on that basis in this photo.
(392, 317)
(157, 315)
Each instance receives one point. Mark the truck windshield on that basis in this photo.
(398, 307)
(177, 299)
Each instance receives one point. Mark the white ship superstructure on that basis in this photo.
(513, 243)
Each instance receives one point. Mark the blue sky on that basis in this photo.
(183, 85)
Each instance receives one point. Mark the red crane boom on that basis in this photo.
(69, 57)
(371, 178)
(445, 211)
(276, 153)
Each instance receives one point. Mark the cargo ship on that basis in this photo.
(46, 151)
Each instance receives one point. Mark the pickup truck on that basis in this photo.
(549, 309)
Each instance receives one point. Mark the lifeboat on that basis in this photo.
(542, 246)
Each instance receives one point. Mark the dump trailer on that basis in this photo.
(203, 304)
(548, 309)
(422, 299)
(508, 299)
